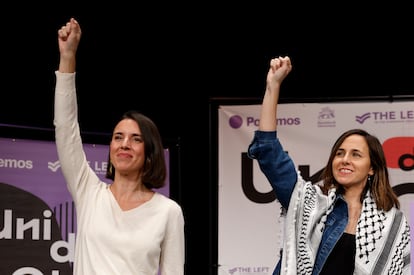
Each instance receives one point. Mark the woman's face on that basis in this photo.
(352, 164)
(127, 147)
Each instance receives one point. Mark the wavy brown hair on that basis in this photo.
(378, 184)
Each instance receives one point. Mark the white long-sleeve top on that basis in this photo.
(110, 241)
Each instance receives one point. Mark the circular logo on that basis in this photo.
(235, 121)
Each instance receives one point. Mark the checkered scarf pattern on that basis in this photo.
(382, 238)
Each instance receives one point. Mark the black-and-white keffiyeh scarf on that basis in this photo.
(382, 238)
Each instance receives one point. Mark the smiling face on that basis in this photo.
(127, 148)
(351, 164)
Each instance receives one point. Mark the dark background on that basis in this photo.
(174, 62)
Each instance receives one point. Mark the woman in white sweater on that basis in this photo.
(124, 227)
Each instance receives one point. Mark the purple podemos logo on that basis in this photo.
(236, 121)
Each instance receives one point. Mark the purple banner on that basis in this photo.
(37, 218)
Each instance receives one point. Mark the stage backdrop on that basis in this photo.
(37, 215)
(248, 231)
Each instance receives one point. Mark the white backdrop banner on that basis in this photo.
(248, 231)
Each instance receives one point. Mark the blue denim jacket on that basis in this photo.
(281, 173)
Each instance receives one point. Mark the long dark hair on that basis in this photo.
(378, 184)
(155, 168)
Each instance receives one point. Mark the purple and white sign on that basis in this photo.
(37, 215)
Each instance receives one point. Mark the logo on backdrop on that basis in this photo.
(387, 117)
(249, 270)
(326, 118)
(98, 167)
(236, 121)
(53, 165)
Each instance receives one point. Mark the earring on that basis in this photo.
(369, 180)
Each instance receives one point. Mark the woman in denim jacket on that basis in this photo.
(351, 223)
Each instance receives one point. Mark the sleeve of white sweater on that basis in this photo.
(74, 165)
